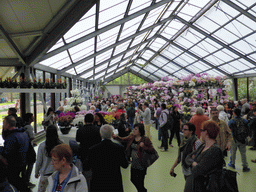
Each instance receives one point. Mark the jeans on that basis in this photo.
(131, 120)
(165, 136)
(156, 123)
(242, 149)
(160, 134)
(177, 132)
(137, 178)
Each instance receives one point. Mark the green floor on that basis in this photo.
(158, 178)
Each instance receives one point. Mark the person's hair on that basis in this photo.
(163, 105)
(103, 102)
(146, 104)
(52, 139)
(239, 102)
(10, 120)
(199, 111)
(191, 127)
(92, 107)
(156, 105)
(237, 112)
(12, 110)
(28, 116)
(61, 151)
(88, 118)
(49, 110)
(102, 120)
(120, 106)
(106, 131)
(212, 129)
(122, 117)
(220, 108)
(173, 108)
(76, 108)
(141, 128)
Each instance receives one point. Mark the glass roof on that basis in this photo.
(159, 38)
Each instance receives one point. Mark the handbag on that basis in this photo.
(221, 180)
(148, 159)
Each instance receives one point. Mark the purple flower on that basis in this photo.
(197, 75)
(219, 90)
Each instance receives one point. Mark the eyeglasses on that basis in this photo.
(202, 130)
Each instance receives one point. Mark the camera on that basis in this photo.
(173, 174)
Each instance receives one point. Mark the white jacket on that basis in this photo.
(76, 183)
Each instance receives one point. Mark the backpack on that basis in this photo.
(169, 122)
(240, 133)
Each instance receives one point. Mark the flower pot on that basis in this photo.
(65, 129)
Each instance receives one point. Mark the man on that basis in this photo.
(252, 123)
(245, 106)
(5, 186)
(146, 115)
(163, 126)
(235, 124)
(19, 121)
(224, 138)
(14, 152)
(189, 144)
(131, 114)
(88, 136)
(105, 160)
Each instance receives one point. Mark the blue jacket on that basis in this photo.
(15, 147)
(232, 123)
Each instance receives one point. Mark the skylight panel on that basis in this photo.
(57, 45)
(138, 5)
(82, 50)
(223, 56)
(213, 60)
(103, 56)
(244, 4)
(85, 66)
(128, 54)
(100, 75)
(168, 69)
(243, 47)
(111, 68)
(170, 9)
(225, 36)
(147, 54)
(120, 69)
(153, 32)
(144, 73)
(238, 28)
(135, 68)
(142, 46)
(64, 62)
(207, 24)
(100, 68)
(153, 78)
(191, 36)
(116, 60)
(109, 75)
(141, 61)
(253, 57)
(226, 9)
(199, 51)
(172, 66)
(151, 68)
(194, 69)
(56, 59)
(107, 38)
(161, 59)
(71, 71)
(247, 63)
(214, 72)
(87, 75)
(168, 54)
(188, 58)
(111, 11)
(122, 47)
(152, 17)
(83, 27)
(123, 63)
(169, 32)
(174, 50)
(180, 61)
(135, 56)
(229, 69)
(207, 46)
(184, 42)
(188, 11)
(131, 26)
(158, 43)
(201, 65)
(138, 39)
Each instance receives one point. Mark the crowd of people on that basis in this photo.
(203, 143)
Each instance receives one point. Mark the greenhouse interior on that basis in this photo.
(84, 57)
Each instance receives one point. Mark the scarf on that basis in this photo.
(186, 147)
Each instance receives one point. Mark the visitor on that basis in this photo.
(19, 121)
(189, 143)
(99, 120)
(224, 138)
(176, 126)
(88, 135)
(104, 106)
(29, 118)
(120, 110)
(245, 106)
(164, 127)
(124, 128)
(105, 160)
(14, 152)
(235, 124)
(222, 114)
(145, 113)
(252, 124)
(67, 176)
(137, 142)
(44, 168)
(198, 120)
(5, 186)
(157, 112)
(131, 113)
(50, 117)
(206, 160)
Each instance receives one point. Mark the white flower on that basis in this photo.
(174, 92)
(212, 92)
(194, 91)
(75, 92)
(181, 95)
(68, 108)
(83, 108)
(227, 82)
(191, 84)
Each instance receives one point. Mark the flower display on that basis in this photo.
(109, 118)
(65, 120)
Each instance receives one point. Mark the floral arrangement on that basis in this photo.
(65, 120)
(109, 118)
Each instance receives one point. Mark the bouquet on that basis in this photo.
(65, 120)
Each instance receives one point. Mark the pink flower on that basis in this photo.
(219, 90)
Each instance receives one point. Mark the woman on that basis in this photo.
(189, 144)
(99, 120)
(50, 117)
(43, 163)
(67, 177)
(207, 160)
(123, 126)
(176, 125)
(222, 114)
(137, 142)
(198, 119)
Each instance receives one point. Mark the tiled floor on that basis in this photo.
(158, 178)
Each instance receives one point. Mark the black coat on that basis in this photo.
(105, 160)
(88, 135)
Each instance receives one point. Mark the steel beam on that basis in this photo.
(113, 77)
(104, 29)
(141, 68)
(141, 76)
(116, 44)
(12, 45)
(59, 28)
(24, 34)
(10, 62)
